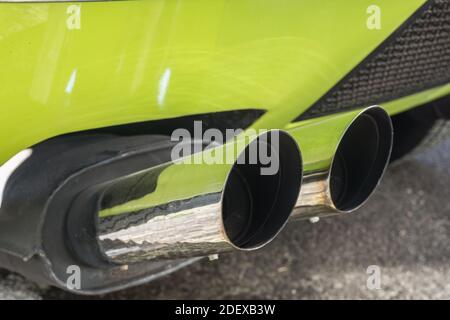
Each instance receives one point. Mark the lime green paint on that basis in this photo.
(141, 60)
(417, 99)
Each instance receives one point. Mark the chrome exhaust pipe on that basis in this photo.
(344, 159)
(186, 209)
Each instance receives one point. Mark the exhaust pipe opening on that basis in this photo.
(256, 206)
(361, 159)
(345, 158)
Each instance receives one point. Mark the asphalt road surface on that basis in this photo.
(404, 230)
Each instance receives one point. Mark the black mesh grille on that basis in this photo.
(413, 59)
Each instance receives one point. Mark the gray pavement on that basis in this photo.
(404, 230)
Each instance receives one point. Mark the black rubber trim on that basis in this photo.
(39, 194)
(234, 119)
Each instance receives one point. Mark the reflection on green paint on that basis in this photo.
(319, 138)
(199, 174)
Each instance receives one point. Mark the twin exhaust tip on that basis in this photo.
(256, 207)
(178, 211)
(361, 159)
(346, 170)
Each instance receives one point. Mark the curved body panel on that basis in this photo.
(68, 67)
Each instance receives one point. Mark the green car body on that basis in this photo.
(92, 90)
(69, 67)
